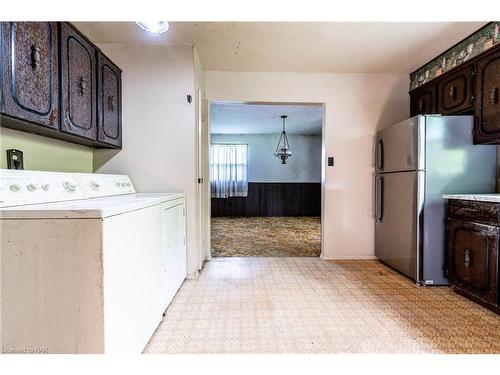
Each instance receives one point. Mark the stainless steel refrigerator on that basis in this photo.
(417, 161)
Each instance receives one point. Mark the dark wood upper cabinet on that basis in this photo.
(487, 113)
(471, 88)
(109, 99)
(56, 83)
(456, 92)
(78, 80)
(29, 77)
(423, 101)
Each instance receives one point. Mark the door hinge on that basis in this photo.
(200, 180)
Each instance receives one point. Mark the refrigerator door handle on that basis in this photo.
(380, 154)
(379, 199)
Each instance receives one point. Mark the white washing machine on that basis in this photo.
(87, 264)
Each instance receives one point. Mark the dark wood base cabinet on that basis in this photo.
(473, 247)
(50, 75)
(472, 88)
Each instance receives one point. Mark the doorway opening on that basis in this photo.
(266, 168)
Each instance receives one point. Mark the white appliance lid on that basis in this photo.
(93, 208)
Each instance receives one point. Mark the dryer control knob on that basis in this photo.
(45, 187)
(94, 185)
(31, 188)
(69, 187)
(14, 188)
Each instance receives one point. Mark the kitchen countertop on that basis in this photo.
(495, 198)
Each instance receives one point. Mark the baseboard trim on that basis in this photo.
(348, 257)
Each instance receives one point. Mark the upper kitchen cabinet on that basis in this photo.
(29, 77)
(470, 88)
(423, 101)
(456, 91)
(487, 111)
(78, 81)
(109, 116)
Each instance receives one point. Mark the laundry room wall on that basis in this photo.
(356, 106)
(159, 130)
(45, 154)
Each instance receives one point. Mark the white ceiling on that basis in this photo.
(249, 118)
(339, 47)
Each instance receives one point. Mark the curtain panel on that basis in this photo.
(228, 170)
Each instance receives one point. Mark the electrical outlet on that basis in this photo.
(331, 161)
(15, 159)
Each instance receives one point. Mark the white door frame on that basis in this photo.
(203, 182)
(204, 190)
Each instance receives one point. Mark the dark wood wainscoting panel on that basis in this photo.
(272, 199)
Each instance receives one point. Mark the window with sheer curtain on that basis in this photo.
(228, 170)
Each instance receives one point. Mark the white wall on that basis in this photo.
(356, 105)
(303, 166)
(159, 129)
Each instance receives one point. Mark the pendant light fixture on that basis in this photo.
(283, 151)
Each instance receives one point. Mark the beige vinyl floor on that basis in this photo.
(308, 305)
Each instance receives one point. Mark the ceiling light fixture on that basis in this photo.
(283, 151)
(157, 27)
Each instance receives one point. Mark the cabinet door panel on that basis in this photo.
(109, 102)
(487, 126)
(30, 81)
(455, 92)
(473, 258)
(79, 84)
(423, 101)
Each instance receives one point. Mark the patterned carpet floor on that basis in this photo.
(309, 305)
(266, 236)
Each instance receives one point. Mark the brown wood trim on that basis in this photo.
(272, 199)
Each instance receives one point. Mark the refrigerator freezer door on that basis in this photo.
(397, 147)
(397, 224)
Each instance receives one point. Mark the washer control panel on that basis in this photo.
(22, 187)
(29, 187)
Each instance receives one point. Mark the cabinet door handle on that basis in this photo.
(35, 56)
(111, 102)
(83, 86)
(467, 258)
(420, 106)
(494, 95)
(453, 93)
